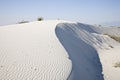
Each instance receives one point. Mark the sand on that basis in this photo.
(32, 51)
(58, 50)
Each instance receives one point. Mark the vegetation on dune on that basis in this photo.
(23, 22)
(40, 19)
(117, 65)
(117, 38)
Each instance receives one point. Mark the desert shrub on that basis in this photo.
(110, 46)
(40, 19)
(117, 38)
(117, 65)
(23, 22)
(106, 34)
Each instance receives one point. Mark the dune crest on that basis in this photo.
(31, 51)
(58, 50)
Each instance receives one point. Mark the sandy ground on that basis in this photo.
(108, 59)
(57, 50)
(32, 51)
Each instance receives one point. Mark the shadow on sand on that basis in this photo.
(85, 60)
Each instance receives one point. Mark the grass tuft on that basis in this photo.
(117, 65)
(40, 19)
(114, 37)
(22, 22)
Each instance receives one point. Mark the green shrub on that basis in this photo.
(110, 46)
(117, 65)
(40, 19)
(114, 37)
(22, 22)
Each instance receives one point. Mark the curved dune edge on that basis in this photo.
(92, 53)
(85, 60)
(57, 50)
(31, 51)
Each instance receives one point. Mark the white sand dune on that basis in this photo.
(32, 51)
(108, 59)
(57, 50)
(85, 44)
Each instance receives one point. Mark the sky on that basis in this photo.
(85, 11)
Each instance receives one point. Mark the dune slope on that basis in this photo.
(84, 57)
(31, 51)
(58, 50)
(92, 53)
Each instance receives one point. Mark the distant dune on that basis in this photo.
(113, 23)
(58, 50)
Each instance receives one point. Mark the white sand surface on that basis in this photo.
(90, 51)
(58, 50)
(31, 51)
(109, 58)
